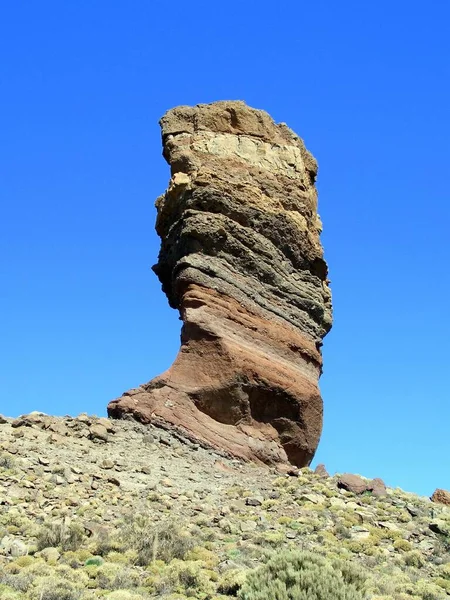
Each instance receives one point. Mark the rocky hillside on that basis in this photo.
(96, 508)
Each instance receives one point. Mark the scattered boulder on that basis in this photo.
(241, 260)
(352, 483)
(50, 554)
(321, 471)
(358, 485)
(13, 547)
(98, 432)
(359, 533)
(440, 526)
(441, 497)
(248, 526)
(377, 487)
(313, 498)
(254, 501)
(414, 511)
(388, 525)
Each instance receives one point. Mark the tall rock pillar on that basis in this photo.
(242, 261)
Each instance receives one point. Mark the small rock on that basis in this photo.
(223, 467)
(254, 501)
(440, 527)
(146, 469)
(337, 502)
(247, 526)
(226, 565)
(98, 432)
(321, 471)
(84, 418)
(313, 498)
(70, 501)
(359, 533)
(413, 510)
(114, 481)
(13, 547)
(293, 472)
(107, 464)
(364, 516)
(58, 479)
(3, 421)
(107, 424)
(58, 428)
(426, 545)
(50, 555)
(388, 525)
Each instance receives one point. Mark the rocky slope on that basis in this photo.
(93, 508)
(242, 261)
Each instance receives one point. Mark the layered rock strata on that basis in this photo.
(242, 261)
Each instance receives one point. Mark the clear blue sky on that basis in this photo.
(367, 85)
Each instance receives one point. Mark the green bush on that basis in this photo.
(123, 595)
(112, 576)
(6, 461)
(97, 561)
(164, 541)
(9, 594)
(19, 582)
(414, 558)
(55, 588)
(59, 534)
(301, 576)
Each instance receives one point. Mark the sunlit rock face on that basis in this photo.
(242, 261)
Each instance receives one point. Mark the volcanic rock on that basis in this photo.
(242, 261)
(358, 485)
(321, 471)
(377, 487)
(352, 483)
(441, 497)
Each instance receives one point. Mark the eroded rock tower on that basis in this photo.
(242, 261)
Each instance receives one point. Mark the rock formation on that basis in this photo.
(441, 497)
(357, 485)
(242, 261)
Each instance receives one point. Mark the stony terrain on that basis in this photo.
(242, 261)
(96, 508)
